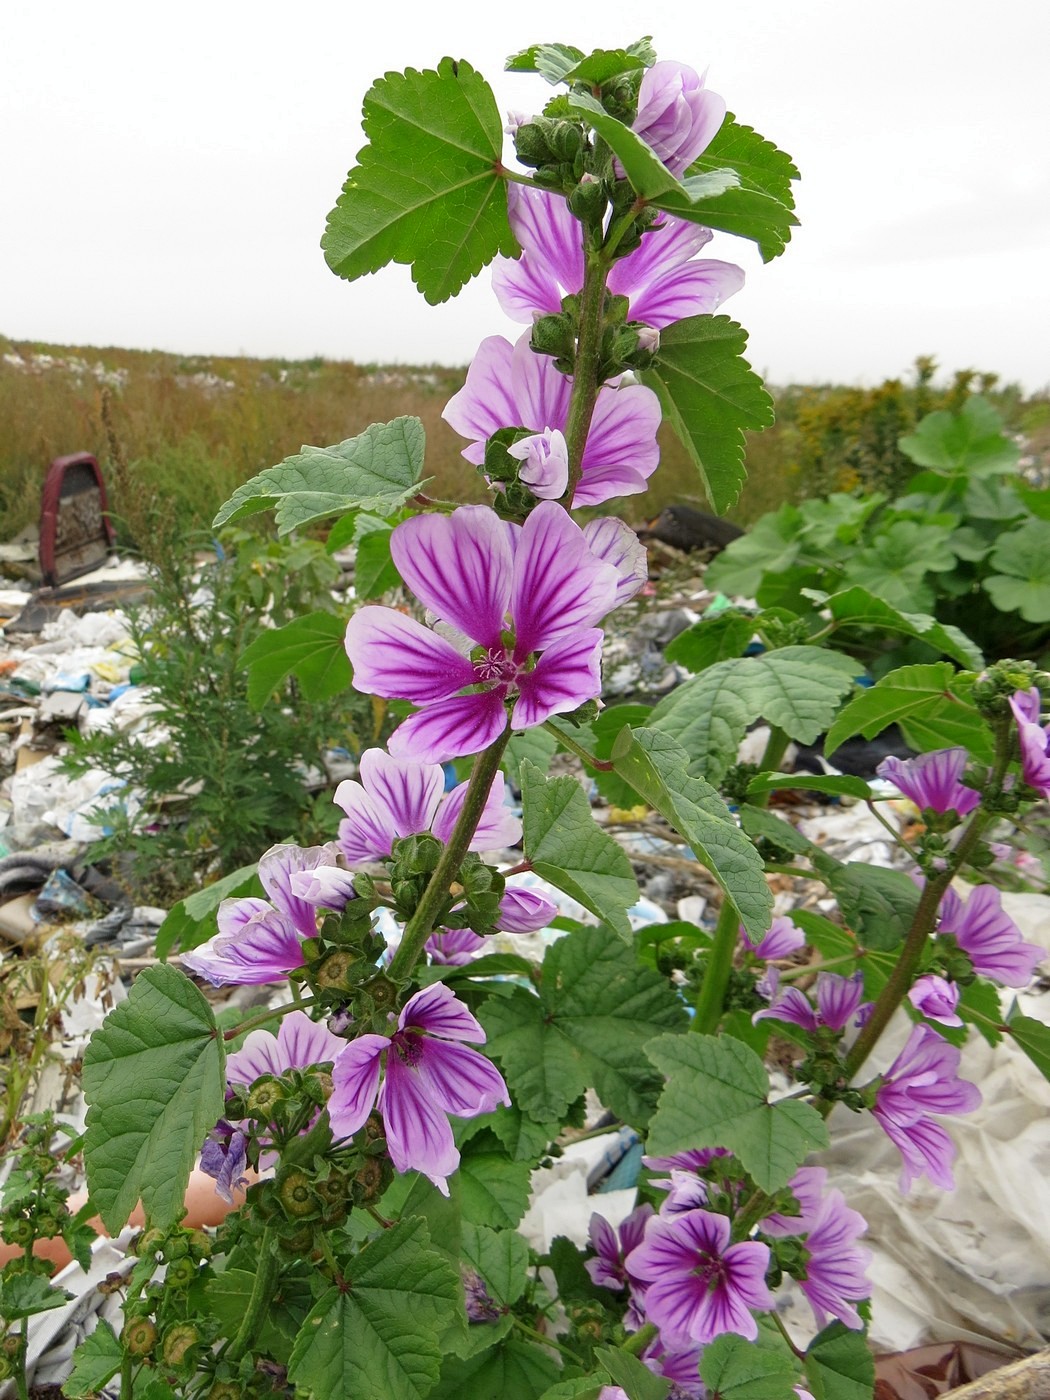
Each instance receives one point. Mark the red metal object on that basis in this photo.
(76, 533)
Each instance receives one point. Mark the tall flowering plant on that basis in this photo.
(379, 1126)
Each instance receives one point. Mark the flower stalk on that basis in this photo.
(716, 975)
(585, 374)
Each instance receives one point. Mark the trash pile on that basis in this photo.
(968, 1267)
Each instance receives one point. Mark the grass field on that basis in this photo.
(176, 434)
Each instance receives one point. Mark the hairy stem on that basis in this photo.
(264, 1017)
(637, 1342)
(259, 1302)
(719, 965)
(581, 753)
(585, 373)
(421, 924)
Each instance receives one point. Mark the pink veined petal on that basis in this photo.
(662, 249)
(567, 674)
(410, 792)
(276, 868)
(525, 288)
(235, 914)
(994, 943)
(696, 289)
(541, 394)
(397, 657)
(355, 1084)
(623, 431)
(459, 566)
(792, 1005)
(265, 950)
(453, 947)
(925, 1148)
(487, 400)
(616, 543)
(418, 1135)
(460, 1080)
(304, 1042)
(368, 830)
(602, 484)
(560, 587)
(547, 232)
(675, 1306)
(452, 728)
(524, 910)
(437, 1011)
(328, 887)
(258, 1055)
(498, 827)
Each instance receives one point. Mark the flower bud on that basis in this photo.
(178, 1342)
(139, 1336)
(296, 1195)
(532, 142)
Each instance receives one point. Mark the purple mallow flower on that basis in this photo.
(400, 797)
(612, 1246)
(932, 780)
(782, 939)
(520, 911)
(697, 1284)
(835, 1278)
(261, 941)
(839, 1000)
(526, 602)
(225, 1156)
(1034, 739)
(936, 999)
(429, 1074)
(922, 1080)
(989, 937)
(299, 1042)
(544, 459)
(662, 279)
(807, 1187)
(677, 116)
(511, 387)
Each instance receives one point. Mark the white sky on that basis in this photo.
(165, 172)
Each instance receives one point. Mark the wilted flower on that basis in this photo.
(515, 595)
(932, 780)
(662, 278)
(400, 797)
(838, 1002)
(677, 116)
(923, 1080)
(697, 1284)
(225, 1156)
(429, 1075)
(936, 998)
(520, 911)
(511, 387)
(1034, 738)
(612, 1246)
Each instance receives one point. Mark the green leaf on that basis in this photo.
(426, 189)
(493, 1189)
(761, 208)
(634, 1378)
(537, 745)
(896, 561)
(379, 470)
(191, 921)
(311, 647)
(721, 638)
(969, 443)
(96, 1360)
(842, 785)
(910, 697)
(979, 1006)
(1034, 1039)
(375, 572)
(878, 904)
(553, 61)
(658, 768)
(512, 1370)
(711, 395)
(603, 65)
(798, 688)
(650, 178)
(597, 1009)
(154, 1082)
(524, 1139)
(716, 1096)
(771, 545)
(777, 830)
(577, 1388)
(831, 941)
(25, 1295)
(839, 1365)
(501, 1257)
(569, 849)
(378, 1333)
(858, 607)
(1022, 581)
(733, 1368)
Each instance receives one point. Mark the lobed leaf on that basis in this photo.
(859, 607)
(711, 395)
(309, 647)
(839, 1365)
(735, 1369)
(968, 443)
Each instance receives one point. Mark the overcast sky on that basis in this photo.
(165, 172)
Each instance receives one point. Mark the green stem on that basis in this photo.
(786, 1334)
(619, 228)
(789, 973)
(709, 1001)
(21, 1383)
(585, 371)
(894, 835)
(420, 925)
(259, 1302)
(527, 1331)
(637, 1342)
(896, 988)
(127, 1384)
(569, 743)
(299, 1004)
(772, 758)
